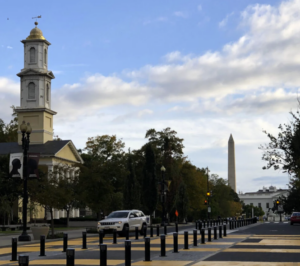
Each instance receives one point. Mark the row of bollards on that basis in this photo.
(70, 253)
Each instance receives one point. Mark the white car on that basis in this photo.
(120, 220)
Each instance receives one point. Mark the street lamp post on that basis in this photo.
(25, 129)
(163, 219)
(208, 195)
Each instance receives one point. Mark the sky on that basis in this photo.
(204, 68)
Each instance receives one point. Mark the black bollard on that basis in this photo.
(176, 227)
(42, 246)
(24, 260)
(196, 225)
(103, 255)
(200, 225)
(147, 249)
(186, 240)
(65, 242)
(70, 253)
(136, 233)
(14, 247)
(215, 233)
(115, 236)
(127, 232)
(202, 236)
(165, 229)
(151, 231)
(162, 245)
(84, 240)
(101, 237)
(209, 235)
(195, 238)
(224, 230)
(157, 230)
(220, 231)
(127, 253)
(175, 243)
(145, 231)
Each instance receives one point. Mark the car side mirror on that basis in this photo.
(105, 217)
(131, 216)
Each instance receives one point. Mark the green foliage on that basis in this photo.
(247, 209)
(131, 187)
(10, 188)
(283, 151)
(9, 132)
(149, 198)
(101, 178)
(181, 202)
(292, 201)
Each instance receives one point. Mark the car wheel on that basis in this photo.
(142, 229)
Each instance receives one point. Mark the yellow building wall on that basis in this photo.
(40, 122)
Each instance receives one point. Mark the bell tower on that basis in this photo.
(35, 96)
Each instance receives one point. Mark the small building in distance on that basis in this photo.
(264, 197)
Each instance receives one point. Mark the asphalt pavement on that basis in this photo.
(260, 244)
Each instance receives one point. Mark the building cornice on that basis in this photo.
(26, 110)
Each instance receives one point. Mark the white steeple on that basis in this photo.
(35, 95)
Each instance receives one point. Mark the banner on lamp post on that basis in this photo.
(32, 165)
(16, 165)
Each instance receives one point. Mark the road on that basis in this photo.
(258, 244)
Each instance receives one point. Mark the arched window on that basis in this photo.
(45, 57)
(31, 91)
(32, 55)
(47, 93)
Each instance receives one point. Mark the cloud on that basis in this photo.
(180, 14)
(223, 23)
(250, 84)
(9, 47)
(199, 7)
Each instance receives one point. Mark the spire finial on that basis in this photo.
(36, 23)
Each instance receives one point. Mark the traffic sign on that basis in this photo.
(209, 209)
(280, 208)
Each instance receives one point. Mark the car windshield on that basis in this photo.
(296, 214)
(118, 215)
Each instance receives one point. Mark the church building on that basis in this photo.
(36, 108)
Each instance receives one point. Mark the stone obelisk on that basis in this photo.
(231, 164)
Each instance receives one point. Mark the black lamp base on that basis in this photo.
(24, 238)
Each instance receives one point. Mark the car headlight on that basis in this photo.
(98, 223)
(119, 222)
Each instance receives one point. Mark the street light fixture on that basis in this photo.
(25, 129)
(163, 170)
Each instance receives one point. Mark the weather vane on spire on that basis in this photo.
(36, 23)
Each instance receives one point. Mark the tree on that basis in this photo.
(292, 201)
(283, 151)
(131, 187)
(10, 188)
(67, 188)
(9, 132)
(181, 202)
(149, 198)
(247, 209)
(102, 175)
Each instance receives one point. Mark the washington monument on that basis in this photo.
(231, 164)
